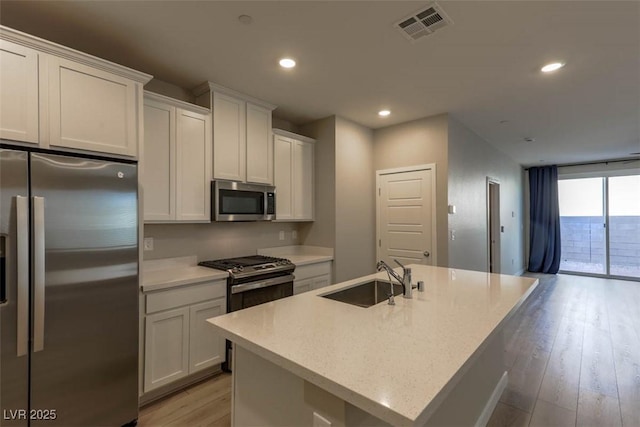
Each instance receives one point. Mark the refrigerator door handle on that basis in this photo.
(22, 258)
(38, 273)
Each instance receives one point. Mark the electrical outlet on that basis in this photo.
(294, 235)
(281, 235)
(148, 243)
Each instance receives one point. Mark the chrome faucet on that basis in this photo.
(405, 280)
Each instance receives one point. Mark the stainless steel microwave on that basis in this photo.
(235, 201)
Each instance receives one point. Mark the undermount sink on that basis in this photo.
(366, 294)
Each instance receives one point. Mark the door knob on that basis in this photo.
(426, 254)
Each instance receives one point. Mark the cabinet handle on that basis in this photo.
(426, 254)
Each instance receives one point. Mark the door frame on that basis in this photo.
(493, 182)
(434, 219)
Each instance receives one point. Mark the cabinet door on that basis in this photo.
(283, 156)
(303, 180)
(91, 109)
(18, 92)
(193, 166)
(206, 348)
(229, 138)
(158, 179)
(300, 286)
(321, 281)
(166, 357)
(259, 145)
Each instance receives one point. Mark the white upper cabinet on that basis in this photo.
(177, 167)
(18, 92)
(259, 145)
(91, 109)
(242, 142)
(303, 180)
(54, 96)
(159, 172)
(283, 163)
(193, 162)
(230, 138)
(294, 176)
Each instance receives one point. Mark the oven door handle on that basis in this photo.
(236, 289)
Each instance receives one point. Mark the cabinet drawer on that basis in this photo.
(185, 295)
(312, 270)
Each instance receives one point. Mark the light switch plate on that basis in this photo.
(294, 235)
(281, 235)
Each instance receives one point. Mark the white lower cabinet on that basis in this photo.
(312, 276)
(166, 347)
(178, 340)
(206, 348)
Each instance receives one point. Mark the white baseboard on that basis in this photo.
(493, 401)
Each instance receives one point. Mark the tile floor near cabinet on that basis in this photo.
(572, 351)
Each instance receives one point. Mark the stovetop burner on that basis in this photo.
(252, 265)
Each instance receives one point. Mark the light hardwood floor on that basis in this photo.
(573, 354)
(207, 403)
(572, 351)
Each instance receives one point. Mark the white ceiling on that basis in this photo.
(484, 69)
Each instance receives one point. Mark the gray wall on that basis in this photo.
(170, 90)
(216, 240)
(355, 201)
(471, 161)
(321, 232)
(343, 168)
(415, 143)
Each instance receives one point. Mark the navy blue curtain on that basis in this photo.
(544, 220)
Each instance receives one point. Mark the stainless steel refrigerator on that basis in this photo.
(69, 290)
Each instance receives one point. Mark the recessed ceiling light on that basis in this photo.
(245, 19)
(552, 67)
(287, 63)
(384, 113)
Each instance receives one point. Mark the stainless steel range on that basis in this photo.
(253, 280)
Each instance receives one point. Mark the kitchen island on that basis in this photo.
(431, 360)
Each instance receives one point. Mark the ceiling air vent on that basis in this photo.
(424, 22)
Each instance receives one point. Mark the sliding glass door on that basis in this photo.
(624, 225)
(582, 225)
(600, 225)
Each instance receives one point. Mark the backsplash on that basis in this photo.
(217, 240)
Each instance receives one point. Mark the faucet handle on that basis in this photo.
(400, 264)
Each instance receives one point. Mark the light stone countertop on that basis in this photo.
(171, 272)
(300, 255)
(395, 362)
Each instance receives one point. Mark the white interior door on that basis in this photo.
(406, 216)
